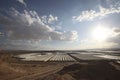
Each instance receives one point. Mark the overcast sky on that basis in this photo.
(59, 24)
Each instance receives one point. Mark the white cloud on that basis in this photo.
(91, 14)
(44, 19)
(28, 25)
(52, 18)
(72, 35)
(49, 19)
(22, 2)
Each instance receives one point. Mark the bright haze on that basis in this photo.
(59, 24)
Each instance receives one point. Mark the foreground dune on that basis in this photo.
(15, 69)
(98, 71)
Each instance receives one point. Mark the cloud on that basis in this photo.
(49, 19)
(22, 2)
(113, 41)
(71, 35)
(28, 25)
(92, 14)
(52, 18)
(116, 37)
(97, 45)
(1, 34)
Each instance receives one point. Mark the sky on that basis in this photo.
(59, 24)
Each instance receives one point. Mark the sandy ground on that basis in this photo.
(15, 69)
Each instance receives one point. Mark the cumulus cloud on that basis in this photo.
(92, 14)
(49, 19)
(28, 25)
(22, 2)
(72, 35)
(52, 18)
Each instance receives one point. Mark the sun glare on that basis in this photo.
(100, 33)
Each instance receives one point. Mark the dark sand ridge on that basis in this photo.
(98, 71)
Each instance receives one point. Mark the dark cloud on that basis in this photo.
(1, 34)
(29, 26)
(117, 30)
(115, 38)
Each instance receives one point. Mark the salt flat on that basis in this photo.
(59, 56)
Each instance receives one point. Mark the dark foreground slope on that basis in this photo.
(98, 71)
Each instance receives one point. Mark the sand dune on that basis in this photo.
(98, 71)
(12, 68)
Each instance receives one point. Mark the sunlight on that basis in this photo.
(100, 33)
